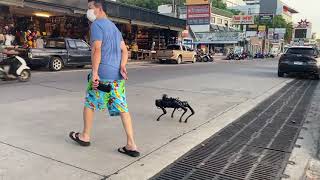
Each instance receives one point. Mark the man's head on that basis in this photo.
(95, 10)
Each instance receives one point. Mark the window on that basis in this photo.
(213, 20)
(219, 21)
(303, 51)
(81, 45)
(56, 44)
(72, 44)
(188, 48)
(173, 47)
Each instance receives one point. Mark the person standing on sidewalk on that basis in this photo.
(109, 59)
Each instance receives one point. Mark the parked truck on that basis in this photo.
(59, 53)
(176, 53)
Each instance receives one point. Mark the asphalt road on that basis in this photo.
(37, 116)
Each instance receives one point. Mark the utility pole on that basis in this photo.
(175, 8)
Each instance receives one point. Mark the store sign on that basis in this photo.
(251, 34)
(243, 19)
(303, 24)
(262, 28)
(198, 14)
(265, 18)
(253, 26)
(271, 33)
(280, 30)
(276, 33)
(219, 37)
(196, 2)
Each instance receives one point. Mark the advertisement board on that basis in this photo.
(265, 18)
(242, 19)
(198, 14)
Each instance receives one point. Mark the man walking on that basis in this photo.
(106, 86)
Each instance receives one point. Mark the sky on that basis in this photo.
(308, 9)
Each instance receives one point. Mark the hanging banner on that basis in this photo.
(242, 19)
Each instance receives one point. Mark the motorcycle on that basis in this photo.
(14, 68)
(204, 57)
(231, 56)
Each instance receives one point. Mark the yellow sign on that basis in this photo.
(253, 26)
(196, 2)
(262, 28)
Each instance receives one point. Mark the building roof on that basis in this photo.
(291, 10)
(221, 12)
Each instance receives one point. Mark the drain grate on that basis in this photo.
(257, 146)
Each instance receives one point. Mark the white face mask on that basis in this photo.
(90, 15)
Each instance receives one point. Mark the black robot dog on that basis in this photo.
(173, 103)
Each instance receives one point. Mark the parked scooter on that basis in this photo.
(204, 57)
(14, 68)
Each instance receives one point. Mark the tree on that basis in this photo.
(221, 5)
(280, 22)
(153, 5)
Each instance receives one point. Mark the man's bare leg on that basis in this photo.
(87, 126)
(127, 124)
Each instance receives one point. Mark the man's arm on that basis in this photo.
(96, 56)
(124, 59)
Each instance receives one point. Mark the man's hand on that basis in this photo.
(124, 72)
(95, 80)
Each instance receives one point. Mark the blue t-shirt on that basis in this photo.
(106, 31)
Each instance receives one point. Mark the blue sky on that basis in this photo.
(308, 9)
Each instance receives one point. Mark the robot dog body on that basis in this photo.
(173, 103)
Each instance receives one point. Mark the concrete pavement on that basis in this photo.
(37, 116)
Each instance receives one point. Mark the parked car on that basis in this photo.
(302, 60)
(59, 53)
(177, 53)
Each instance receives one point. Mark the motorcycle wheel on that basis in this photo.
(25, 76)
(205, 59)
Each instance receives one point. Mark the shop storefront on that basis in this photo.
(218, 41)
(26, 21)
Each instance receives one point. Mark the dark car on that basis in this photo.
(300, 60)
(59, 53)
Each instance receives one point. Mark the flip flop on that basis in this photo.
(127, 152)
(76, 139)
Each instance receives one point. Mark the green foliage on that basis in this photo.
(221, 5)
(149, 4)
(280, 22)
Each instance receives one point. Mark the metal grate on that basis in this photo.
(257, 146)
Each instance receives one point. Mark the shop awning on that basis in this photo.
(48, 7)
(60, 6)
(12, 2)
(119, 20)
(218, 37)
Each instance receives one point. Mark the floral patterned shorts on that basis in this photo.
(115, 101)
